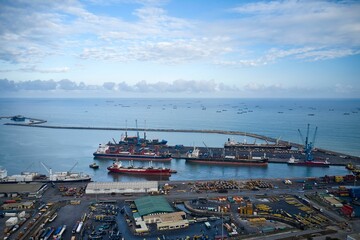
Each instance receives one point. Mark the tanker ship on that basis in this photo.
(117, 167)
(249, 160)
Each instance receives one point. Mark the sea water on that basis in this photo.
(24, 148)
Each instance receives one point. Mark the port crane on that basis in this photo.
(308, 146)
(209, 150)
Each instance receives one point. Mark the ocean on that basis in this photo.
(23, 148)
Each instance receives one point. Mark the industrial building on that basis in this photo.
(168, 221)
(156, 209)
(152, 205)
(28, 189)
(121, 187)
(18, 205)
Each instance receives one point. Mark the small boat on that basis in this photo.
(94, 166)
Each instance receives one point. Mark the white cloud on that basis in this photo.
(45, 70)
(261, 33)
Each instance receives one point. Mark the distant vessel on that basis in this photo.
(117, 167)
(313, 163)
(18, 118)
(249, 160)
(232, 144)
(112, 152)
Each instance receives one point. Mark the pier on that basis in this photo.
(335, 158)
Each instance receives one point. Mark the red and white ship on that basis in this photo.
(117, 167)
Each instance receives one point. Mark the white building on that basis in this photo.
(121, 187)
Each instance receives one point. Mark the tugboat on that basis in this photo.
(94, 166)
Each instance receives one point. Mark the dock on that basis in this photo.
(335, 158)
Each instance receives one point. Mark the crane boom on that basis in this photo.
(73, 166)
(301, 137)
(209, 151)
(314, 137)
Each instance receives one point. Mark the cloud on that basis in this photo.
(44, 70)
(186, 86)
(257, 33)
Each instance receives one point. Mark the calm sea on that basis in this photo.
(22, 148)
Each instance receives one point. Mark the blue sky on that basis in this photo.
(182, 48)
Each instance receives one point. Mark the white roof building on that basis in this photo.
(121, 187)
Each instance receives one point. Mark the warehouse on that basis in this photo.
(152, 205)
(121, 187)
(28, 189)
(156, 209)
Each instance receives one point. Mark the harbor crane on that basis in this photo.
(209, 150)
(308, 146)
(73, 167)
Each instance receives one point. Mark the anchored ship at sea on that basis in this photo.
(249, 160)
(244, 145)
(27, 177)
(117, 167)
(118, 153)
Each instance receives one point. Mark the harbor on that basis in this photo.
(275, 155)
(224, 196)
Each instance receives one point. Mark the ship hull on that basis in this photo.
(310, 164)
(156, 172)
(254, 146)
(48, 181)
(225, 161)
(131, 157)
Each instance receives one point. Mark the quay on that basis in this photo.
(335, 158)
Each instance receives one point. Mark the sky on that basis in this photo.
(180, 48)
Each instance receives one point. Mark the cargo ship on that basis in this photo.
(233, 144)
(249, 160)
(308, 163)
(28, 177)
(112, 152)
(117, 167)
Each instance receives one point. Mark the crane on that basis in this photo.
(73, 166)
(308, 146)
(47, 168)
(209, 150)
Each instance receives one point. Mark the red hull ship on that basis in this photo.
(118, 168)
(113, 152)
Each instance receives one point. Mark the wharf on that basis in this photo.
(275, 156)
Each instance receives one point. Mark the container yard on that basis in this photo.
(204, 210)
